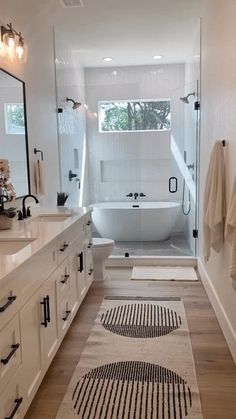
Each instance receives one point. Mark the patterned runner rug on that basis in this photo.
(137, 364)
(164, 273)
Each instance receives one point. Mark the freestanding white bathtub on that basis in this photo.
(135, 221)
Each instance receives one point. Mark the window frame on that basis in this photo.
(6, 118)
(100, 102)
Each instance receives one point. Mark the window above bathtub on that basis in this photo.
(134, 115)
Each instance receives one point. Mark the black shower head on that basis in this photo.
(76, 105)
(185, 99)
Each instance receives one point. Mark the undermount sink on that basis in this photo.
(10, 246)
(48, 218)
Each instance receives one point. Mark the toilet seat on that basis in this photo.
(102, 242)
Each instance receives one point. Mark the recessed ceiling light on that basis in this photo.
(157, 57)
(107, 59)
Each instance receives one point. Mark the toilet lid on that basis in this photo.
(99, 242)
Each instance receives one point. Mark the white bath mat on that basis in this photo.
(164, 273)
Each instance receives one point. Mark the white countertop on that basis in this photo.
(43, 233)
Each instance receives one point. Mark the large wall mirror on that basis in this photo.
(13, 131)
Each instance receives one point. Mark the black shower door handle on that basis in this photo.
(173, 188)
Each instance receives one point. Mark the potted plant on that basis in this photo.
(7, 194)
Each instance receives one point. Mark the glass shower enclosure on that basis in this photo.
(142, 159)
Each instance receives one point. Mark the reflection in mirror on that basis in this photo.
(13, 131)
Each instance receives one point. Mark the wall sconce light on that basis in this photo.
(12, 44)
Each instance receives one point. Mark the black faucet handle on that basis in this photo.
(129, 195)
(20, 215)
(142, 194)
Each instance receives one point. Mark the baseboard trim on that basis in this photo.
(225, 324)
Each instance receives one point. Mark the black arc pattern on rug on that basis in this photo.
(132, 390)
(141, 320)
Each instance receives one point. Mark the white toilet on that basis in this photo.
(102, 249)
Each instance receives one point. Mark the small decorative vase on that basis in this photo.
(5, 222)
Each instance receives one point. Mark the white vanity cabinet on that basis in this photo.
(32, 329)
(12, 403)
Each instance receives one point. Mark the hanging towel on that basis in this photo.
(214, 202)
(39, 178)
(230, 230)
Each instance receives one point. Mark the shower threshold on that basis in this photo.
(176, 247)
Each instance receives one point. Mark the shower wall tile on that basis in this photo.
(134, 170)
(120, 163)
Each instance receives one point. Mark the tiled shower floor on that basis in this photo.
(177, 246)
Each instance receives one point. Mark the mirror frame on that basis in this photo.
(26, 129)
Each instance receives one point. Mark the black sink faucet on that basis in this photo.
(136, 195)
(26, 213)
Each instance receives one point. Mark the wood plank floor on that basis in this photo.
(216, 371)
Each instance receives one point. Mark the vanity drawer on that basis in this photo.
(89, 268)
(10, 351)
(67, 242)
(12, 399)
(64, 314)
(9, 303)
(88, 224)
(25, 281)
(63, 279)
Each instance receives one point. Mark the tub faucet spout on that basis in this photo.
(136, 195)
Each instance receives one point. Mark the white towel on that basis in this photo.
(214, 202)
(39, 182)
(230, 230)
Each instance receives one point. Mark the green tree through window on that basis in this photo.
(135, 116)
(15, 118)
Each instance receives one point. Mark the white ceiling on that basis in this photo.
(130, 31)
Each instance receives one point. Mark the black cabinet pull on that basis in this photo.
(18, 403)
(91, 272)
(89, 223)
(90, 245)
(45, 320)
(10, 300)
(64, 247)
(173, 178)
(66, 277)
(66, 316)
(48, 309)
(81, 262)
(14, 348)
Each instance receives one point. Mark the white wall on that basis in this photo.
(120, 163)
(39, 76)
(219, 122)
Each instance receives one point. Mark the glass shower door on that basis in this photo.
(183, 170)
